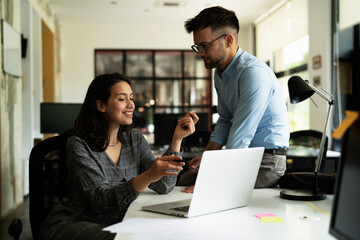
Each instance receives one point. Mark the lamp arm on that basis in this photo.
(327, 98)
(323, 138)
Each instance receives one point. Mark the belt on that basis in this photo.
(280, 151)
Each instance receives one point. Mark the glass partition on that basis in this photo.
(163, 81)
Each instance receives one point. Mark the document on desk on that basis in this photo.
(165, 228)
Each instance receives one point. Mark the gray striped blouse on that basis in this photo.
(100, 191)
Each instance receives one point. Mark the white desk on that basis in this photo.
(238, 223)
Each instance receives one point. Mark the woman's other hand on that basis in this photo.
(185, 126)
(165, 166)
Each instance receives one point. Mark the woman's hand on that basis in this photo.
(165, 166)
(184, 128)
(186, 125)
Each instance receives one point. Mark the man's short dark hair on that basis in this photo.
(214, 17)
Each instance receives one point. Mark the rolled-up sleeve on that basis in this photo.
(165, 184)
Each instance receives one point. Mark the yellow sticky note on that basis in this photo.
(271, 219)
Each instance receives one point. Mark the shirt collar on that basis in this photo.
(230, 67)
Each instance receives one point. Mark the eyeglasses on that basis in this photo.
(202, 47)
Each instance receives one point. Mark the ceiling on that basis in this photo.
(114, 12)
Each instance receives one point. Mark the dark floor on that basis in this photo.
(22, 212)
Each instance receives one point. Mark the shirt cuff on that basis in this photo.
(169, 152)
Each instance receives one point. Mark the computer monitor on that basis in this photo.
(58, 117)
(346, 206)
(165, 123)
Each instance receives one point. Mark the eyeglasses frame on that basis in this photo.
(196, 48)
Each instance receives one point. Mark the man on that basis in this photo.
(251, 107)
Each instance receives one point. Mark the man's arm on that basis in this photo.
(213, 146)
(255, 91)
(195, 163)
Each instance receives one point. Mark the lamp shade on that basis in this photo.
(299, 90)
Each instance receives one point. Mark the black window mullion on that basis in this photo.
(182, 82)
(124, 62)
(153, 80)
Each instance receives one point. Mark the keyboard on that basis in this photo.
(181, 209)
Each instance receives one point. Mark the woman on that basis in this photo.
(110, 163)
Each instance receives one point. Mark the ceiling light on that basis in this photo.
(170, 3)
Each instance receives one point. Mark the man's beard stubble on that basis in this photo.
(214, 63)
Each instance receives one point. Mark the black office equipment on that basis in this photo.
(165, 123)
(346, 208)
(58, 117)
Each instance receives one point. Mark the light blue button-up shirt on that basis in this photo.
(251, 107)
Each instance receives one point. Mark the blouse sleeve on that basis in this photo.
(167, 183)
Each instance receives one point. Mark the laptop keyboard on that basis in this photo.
(181, 209)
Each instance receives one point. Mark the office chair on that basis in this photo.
(47, 175)
(299, 170)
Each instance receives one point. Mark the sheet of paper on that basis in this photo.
(156, 228)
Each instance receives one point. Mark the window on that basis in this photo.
(163, 81)
(288, 61)
(282, 41)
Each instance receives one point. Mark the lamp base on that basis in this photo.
(302, 195)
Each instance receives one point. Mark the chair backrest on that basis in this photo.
(47, 175)
(309, 138)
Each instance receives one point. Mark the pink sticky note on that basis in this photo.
(260, 215)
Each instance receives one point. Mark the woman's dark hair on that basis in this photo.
(91, 124)
(214, 17)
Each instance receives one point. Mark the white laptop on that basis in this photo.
(225, 180)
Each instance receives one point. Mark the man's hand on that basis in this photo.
(189, 189)
(194, 165)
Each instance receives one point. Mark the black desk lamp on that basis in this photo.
(300, 90)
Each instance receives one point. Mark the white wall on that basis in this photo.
(320, 44)
(10, 123)
(79, 42)
(246, 38)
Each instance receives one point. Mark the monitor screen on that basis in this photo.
(346, 206)
(58, 117)
(165, 123)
